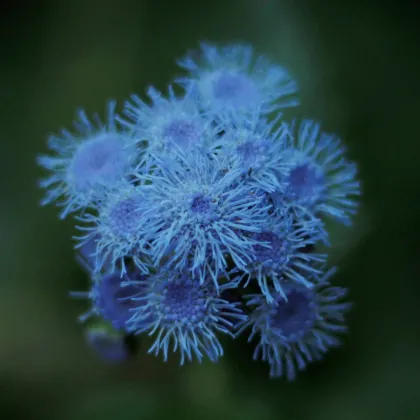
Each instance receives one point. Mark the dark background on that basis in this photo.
(358, 67)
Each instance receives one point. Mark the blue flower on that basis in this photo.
(320, 178)
(228, 78)
(255, 147)
(279, 253)
(85, 164)
(109, 346)
(167, 121)
(207, 214)
(121, 227)
(298, 327)
(199, 215)
(184, 314)
(110, 297)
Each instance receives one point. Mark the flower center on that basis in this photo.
(275, 249)
(184, 302)
(182, 132)
(124, 217)
(235, 88)
(99, 161)
(295, 317)
(201, 204)
(305, 183)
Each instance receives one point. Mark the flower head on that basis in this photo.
(85, 164)
(167, 122)
(200, 214)
(110, 297)
(319, 179)
(206, 214)
(255, 147)
(121, 227)
(229, 79)
(279, 254)
(298, 326)
(185, 314)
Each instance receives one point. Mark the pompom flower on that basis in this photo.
(255, 147)
(166, 121)
(200, 214)
(110, 346)
(229, 78)
(298, 327)
(109, 299)
(279, 254)
(184, 315)
(121, 227)
(85, 164)
(207, 214)
(320, 178)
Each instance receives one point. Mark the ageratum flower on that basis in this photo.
(110, 297)
(207, 214)
(320, 178)
(255, 147)
(87, 163)
(298, 326)
(279, 253)
(121, 227)
(110, 346)
(228, 78)
(167, 121)
(184, 314)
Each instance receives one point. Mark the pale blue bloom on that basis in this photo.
(184, 315)
(279, 254)
(298, 327)
(86, 163)
(320, 178)
(207, 214)
(230, 78)
(121, 226)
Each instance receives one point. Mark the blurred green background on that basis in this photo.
(358, 67)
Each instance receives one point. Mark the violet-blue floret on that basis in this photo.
(184, 315)
(299, 326)
(165, 122)
(207, 214)
(255, 146)
(279, 254)
(110, 346)
(110, 295)
(230, 78)
(320, 178)
(86, 163)
(121, 226)
(200, 215)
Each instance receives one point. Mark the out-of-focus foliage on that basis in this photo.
(357, 64)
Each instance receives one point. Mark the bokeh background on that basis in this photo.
(358, 66)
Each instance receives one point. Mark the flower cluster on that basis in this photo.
(200, 213)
